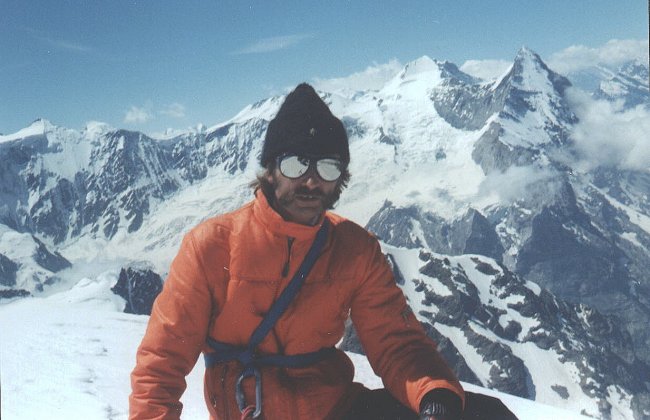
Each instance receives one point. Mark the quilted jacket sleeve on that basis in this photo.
(174, 338)
(393, 339)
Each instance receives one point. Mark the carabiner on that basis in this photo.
(239, 392)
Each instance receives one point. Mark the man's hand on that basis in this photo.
(441, 404)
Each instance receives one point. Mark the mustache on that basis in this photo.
(317, 192)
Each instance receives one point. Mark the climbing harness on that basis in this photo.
(249, 357)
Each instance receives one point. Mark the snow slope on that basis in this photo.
(69, 355)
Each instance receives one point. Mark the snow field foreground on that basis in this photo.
(69, 355)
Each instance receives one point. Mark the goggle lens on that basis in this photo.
(293, 166)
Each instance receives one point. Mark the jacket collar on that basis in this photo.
(276, 224)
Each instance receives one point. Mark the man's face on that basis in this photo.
(302, 200)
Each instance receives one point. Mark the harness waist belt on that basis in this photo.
(226, 352)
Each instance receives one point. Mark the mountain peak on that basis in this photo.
(96, 128)
(529, 72)
(529, 58)
(423, 64)
(42, 124)
(635, 69)
(524, 50)
(428, 73)
(38, 127)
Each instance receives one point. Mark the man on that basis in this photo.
(264, 292)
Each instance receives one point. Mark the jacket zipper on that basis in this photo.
(226, 414)
(287, 264)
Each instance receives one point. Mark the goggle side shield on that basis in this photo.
(294, 166)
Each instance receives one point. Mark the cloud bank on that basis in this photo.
(374, 77)
(174, 110)
(517, 182)
(146, 113)
(612, 54)
(608, 135)
(136, 115)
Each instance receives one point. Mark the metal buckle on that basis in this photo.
(239, 393)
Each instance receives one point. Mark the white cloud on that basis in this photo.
(515, 183)
(372, 78)
(67, 45)
(612, 54)
(486, 69)
(174, 110)
(608, 135)
(146, 113)
(60, 44)
(273, 44)
(138, 115)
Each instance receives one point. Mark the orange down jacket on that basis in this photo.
(224, 279)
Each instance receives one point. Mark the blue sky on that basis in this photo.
(149, 65)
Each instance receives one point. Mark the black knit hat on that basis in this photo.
(304, 125)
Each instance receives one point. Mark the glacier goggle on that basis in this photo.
(294, 166)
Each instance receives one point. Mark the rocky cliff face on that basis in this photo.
(412, 227)
(139, 285)
(629, 85)
(474, 302)
(27, 265)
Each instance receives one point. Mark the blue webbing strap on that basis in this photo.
(226, 352)
(247, 355)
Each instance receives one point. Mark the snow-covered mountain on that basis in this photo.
(627, 83)
(522, 262)
(513, 336)
(26, 263)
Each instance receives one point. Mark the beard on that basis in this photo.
(262, 182)
(282, 199)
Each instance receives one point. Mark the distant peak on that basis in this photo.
(634, 66)
(425, 60)
(421, 65)
(530, 73)
(41, 126)
(42, 122)
(528, 61)
(526, 53)
(525, 50)
(38, 127)
(94, 128)
(433, 68)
